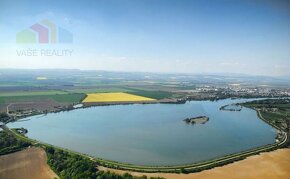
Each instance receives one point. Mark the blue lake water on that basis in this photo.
(152, 134)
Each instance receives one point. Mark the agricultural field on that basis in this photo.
(62, 98)
(30, 163)
(31, 93)
(156, 94)
(102, 89)
(27, 98)
(273, 164)
(46, 100)
(114, 97)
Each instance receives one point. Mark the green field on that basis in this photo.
(272, 116)
(98, 90)
(31, 93)
(151, 94)
(61, 98)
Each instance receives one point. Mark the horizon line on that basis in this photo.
(120, 71)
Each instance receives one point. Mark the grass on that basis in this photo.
(69, 98)
(271, 116)
(114, 97)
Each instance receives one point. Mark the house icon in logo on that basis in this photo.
(44, 32)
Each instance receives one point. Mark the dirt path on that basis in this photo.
(274, 164)
(27, 164)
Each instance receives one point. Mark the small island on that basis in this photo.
(197, 120)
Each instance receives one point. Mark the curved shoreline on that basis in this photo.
(194, 167)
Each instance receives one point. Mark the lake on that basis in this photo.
(152, 134)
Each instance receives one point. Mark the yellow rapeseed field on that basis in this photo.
(114, 97)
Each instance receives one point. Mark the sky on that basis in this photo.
(176, 36)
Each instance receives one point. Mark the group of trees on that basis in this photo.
(111, 175)
(4, 117)
(72, 166)
(9, 144)
(282, 103)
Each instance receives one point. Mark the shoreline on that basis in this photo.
(255, 166)
(162, 101)
(190, 168)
